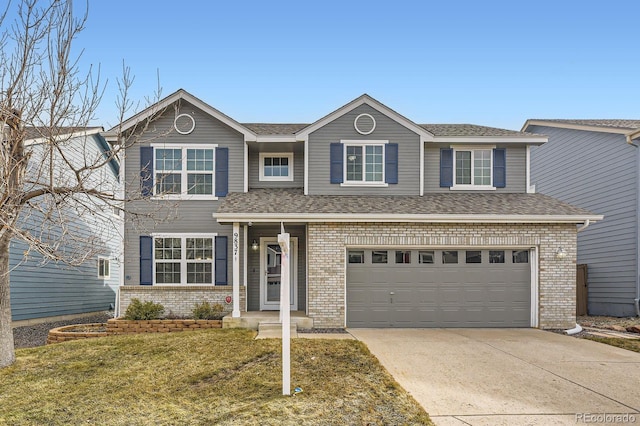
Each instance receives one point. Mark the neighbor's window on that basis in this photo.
(521, 256)
(276, 166)
(364, 163)
(356, 256)
(184, 171)
(104, 267)
(184, 259)
(403, 256)
(473, 167)
(426, 256)
(379, 256)
(449, 256)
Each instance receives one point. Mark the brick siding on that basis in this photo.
(180, 300)
(327, 243)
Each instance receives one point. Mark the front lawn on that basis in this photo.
(201, 377)
(629, 344)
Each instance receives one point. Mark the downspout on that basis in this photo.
(630, 137)
(577, 329)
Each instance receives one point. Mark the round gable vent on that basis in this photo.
(364, 124)
(184, 124)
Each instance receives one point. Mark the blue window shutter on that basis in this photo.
(446, 167)
(222, 172)
(336, 154)
(499, 167)
(391, 163)
(146, 260)
(146, 170)
(221, 261)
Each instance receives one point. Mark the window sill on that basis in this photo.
(365, 184)
(276, 179)
(472, 188)
(185, 285)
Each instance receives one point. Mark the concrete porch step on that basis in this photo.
(270, 326)
(253, 319)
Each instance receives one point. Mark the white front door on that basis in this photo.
(270, 261)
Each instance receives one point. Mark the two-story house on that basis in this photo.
(595, 164)
(393, 223)
(43, 289)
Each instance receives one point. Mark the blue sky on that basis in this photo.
(492, 63)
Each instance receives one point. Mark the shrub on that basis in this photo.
(138, 310)
(207, 311)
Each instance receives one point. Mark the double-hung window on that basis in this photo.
(183, 259)
(276, 166)
(473, 168)
(184, 171)
(364, 162)
(104, 267)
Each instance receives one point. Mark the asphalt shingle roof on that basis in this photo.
(611, 123)
(292, 201)
(435, 129)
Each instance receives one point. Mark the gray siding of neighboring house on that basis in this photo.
(516, 166)
(298, 164)
(596, 171)
(386, 129)
(188, 216)
(42, 289)
(253, 264)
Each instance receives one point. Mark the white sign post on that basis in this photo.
(284, 240)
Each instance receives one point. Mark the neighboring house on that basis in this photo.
(595, 164)
(393, 223)
(41, 289)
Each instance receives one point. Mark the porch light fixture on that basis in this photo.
(254, 245)
(561, 253)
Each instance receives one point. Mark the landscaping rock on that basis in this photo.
(633, 329)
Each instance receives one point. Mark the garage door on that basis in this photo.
(438, 288)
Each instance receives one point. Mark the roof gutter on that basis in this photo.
(399, 218)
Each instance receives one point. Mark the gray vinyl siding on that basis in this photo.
(253, 264)
(178, 216)
(516, 168)
(386, 129)
(298, 164)
(596, 171)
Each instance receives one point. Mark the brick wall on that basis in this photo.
(327, 243)
(180, 300)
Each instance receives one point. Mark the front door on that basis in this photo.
(270, 265)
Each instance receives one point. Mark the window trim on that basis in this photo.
(363, 143)
(101, 270)
(472, 186)
(288, 155)
(184, 173)
(183, 258)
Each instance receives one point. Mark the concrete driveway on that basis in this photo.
(510, 376)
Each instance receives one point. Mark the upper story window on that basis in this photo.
(473, 168)
(184, 171)
(104, 267)
(276, 166)
(363, 163)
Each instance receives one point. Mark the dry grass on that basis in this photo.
(629, 344)
(201, 377)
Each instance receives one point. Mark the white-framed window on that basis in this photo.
(364, 163)
(184, 171)
(472, 168)
(276, 166)
(104, 267)
(184, 259)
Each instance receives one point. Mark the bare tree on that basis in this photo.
(46, 106)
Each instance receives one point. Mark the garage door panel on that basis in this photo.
(437, 294)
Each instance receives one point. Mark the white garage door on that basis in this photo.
(438, 288)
